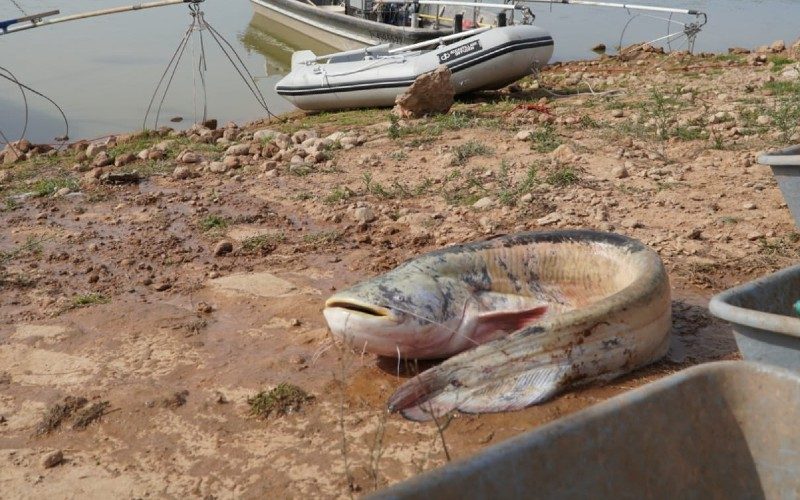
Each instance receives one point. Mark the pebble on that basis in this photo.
(238, 150)
(754, 236)
(181, 173)
(485, 202)
(223, 247)
(217, 167)
(363, 215)
(95, 148)
(264, 134)
(162, 286)
(549, 219)
(231, 162)
(190, 157)
(53, 459)
(523, 135)
(619, 172)
(295, 322)
(617, 113)
(154, 154)
(763, 120)
(749, 206)
(526, 198)
(563, 154)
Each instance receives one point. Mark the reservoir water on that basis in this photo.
(102, 71)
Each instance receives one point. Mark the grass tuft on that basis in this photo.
(282, 400)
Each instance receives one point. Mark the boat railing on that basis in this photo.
(440, 40)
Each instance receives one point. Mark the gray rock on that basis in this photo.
(526, 198)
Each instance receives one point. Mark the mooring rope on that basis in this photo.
(22, 86)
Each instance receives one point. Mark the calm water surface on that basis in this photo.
(102, 71)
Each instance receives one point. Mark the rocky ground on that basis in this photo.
(154, 284)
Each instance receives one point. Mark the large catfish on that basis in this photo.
(530, 314)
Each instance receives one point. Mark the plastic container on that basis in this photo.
(721, 430)
(765, 324)
(785, 165)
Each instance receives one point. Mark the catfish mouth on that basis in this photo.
(360, 308)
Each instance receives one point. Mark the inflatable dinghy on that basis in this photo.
(483, 59)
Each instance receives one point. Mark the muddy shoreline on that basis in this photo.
(168, 277)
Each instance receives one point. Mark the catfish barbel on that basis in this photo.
(530, 314)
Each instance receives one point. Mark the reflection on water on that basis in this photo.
(277, 53)
(102, 71)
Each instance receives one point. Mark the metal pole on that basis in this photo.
(619, 6)
(505, 6)
(95, 13)
(436, 41)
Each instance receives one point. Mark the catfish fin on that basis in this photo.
(513, 392)
(517, 392)
(489, 323)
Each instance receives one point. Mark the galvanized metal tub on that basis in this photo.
(785, 164)
(722, 430)
(765, 325)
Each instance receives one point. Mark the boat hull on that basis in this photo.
(337, 30)
(485, 61)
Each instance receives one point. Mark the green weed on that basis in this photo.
(89, 299)
(463, 152)
(544, 139)
(213, 222)
(562, 177)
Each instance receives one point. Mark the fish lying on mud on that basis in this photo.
(533, 313)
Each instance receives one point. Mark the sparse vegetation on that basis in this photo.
(32, 246)
(47, 187)
(463, 152)
(89, 299)
(562, 177)
(263, 243)
(282, 400)
(509, 191)
(213, 222)
(322, 237)
(544, 139)
(338, 194)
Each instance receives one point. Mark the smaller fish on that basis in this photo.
(525, 315)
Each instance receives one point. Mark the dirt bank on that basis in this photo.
(176, 294)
